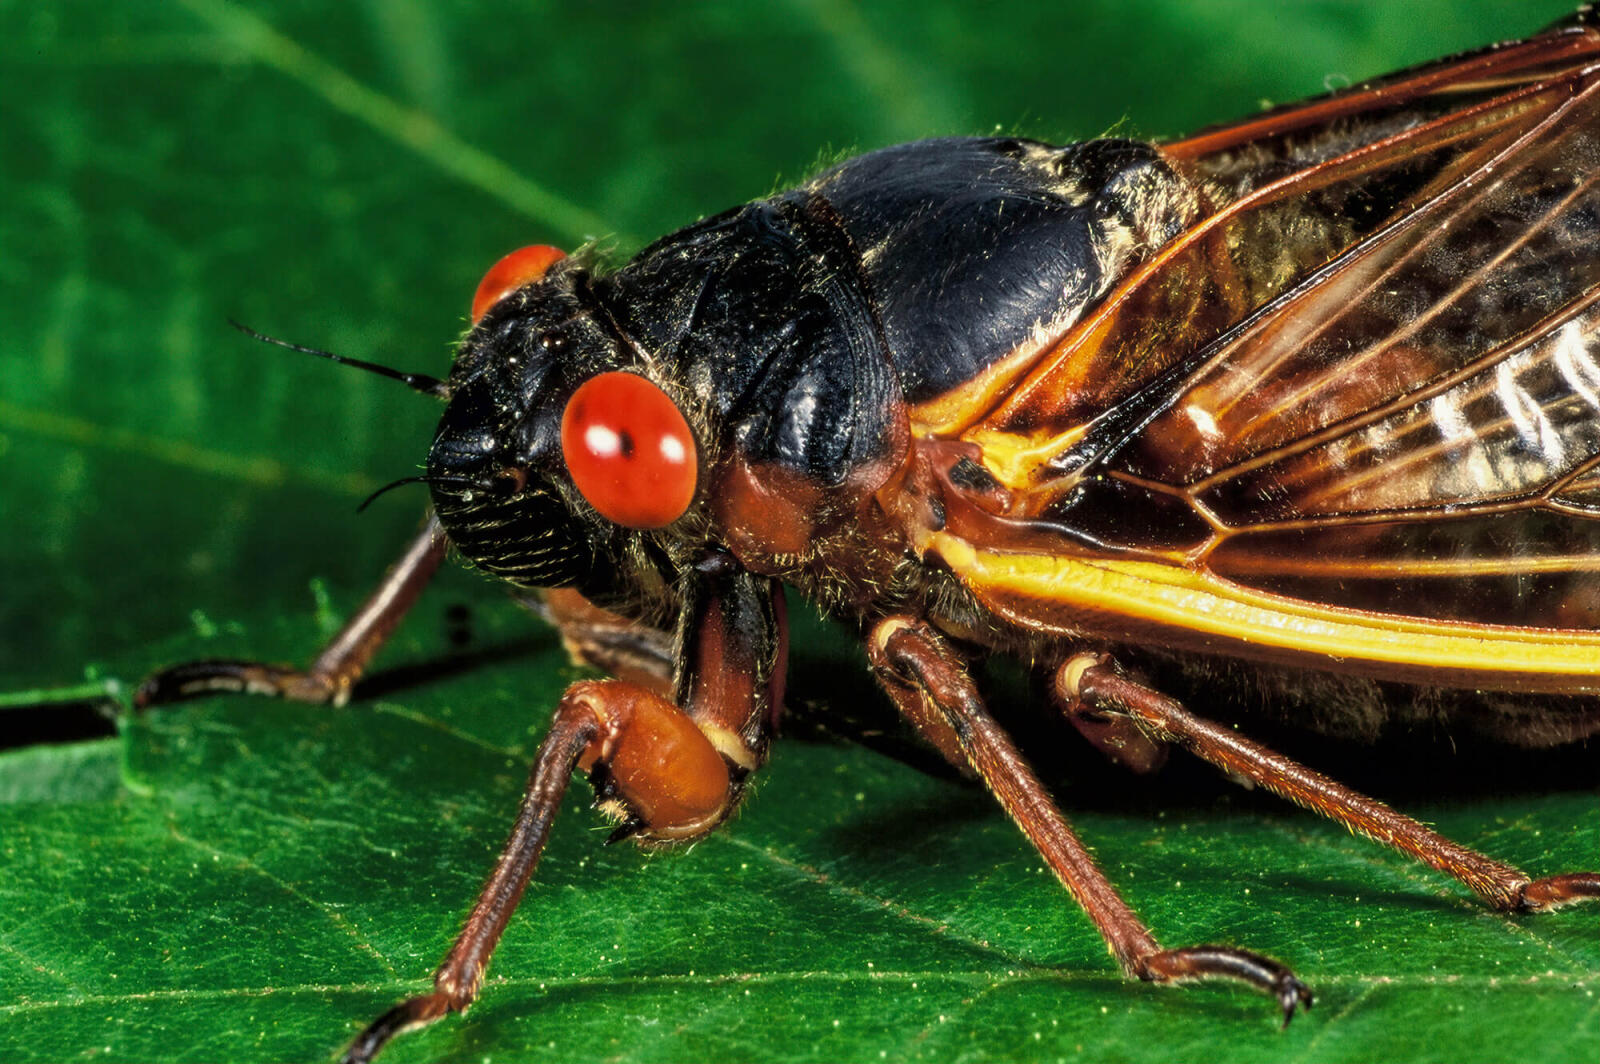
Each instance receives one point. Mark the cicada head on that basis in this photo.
(558, 454)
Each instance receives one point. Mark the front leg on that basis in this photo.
(932, 688)
(341, 663)
(648, 753)
(607, 641)
(669, 771)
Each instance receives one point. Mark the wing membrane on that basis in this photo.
(1333, 228)
(1373, 374)
(1445, 359)
(1399, 434)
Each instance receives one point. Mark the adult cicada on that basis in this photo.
(1311, 394)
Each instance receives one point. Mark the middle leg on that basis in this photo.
(932, 688)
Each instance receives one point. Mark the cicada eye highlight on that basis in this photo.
(629, 450)
(522, 266)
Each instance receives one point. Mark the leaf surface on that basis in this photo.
(253, 881)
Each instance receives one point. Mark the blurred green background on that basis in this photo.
(250, 881)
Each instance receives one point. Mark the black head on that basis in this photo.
(538, 469)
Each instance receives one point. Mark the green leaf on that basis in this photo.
(246, 880)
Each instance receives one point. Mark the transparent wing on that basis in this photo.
(1369, 378)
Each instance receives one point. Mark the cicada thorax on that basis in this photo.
(806, 325)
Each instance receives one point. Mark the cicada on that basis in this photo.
(1316, 393)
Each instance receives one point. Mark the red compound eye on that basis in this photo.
(523, 266)
(629, 450)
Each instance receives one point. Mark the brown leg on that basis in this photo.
(342, 661)
(1115, 735)
(1089, 684)
(916, 665)
(608, 641)
(668, 774)
(639, 748)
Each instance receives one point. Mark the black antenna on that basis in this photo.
(418, 381)
(496, 485)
